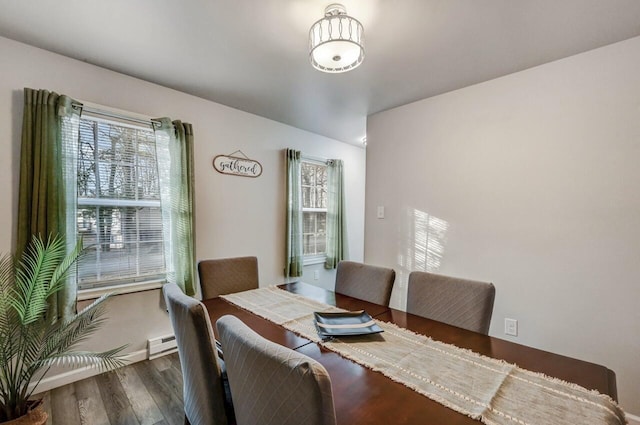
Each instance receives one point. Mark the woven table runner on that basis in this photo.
(486, 389)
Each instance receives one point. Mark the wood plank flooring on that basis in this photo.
(143, 393)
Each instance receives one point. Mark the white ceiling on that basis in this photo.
(253, 54)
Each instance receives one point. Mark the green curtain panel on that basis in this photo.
(174, 144)
(47, 164)
(293, 268)
(336, 215)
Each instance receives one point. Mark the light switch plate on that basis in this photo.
(380, 212)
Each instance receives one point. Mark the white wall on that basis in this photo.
(530, 181)
(234, 215)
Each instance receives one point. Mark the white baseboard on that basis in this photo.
(633, 419)
(64, 378)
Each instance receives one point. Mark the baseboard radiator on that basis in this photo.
(161, 346)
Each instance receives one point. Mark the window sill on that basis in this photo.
(90, 294)
(314, 259)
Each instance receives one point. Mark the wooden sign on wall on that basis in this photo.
(237, 165)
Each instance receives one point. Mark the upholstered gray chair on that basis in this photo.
(369, 283)
(203, 388)
(227, 275)
(463, 303)
(272, 384)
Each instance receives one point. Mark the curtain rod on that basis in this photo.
(315, 158)
(110, 114)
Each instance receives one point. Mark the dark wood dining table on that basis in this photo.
(362, 396)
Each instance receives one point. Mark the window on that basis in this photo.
(118, 212)
(314, 209)
(316, 226)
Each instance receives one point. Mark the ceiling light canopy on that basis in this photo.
(336, 41)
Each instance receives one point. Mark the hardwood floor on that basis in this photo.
(143, 393)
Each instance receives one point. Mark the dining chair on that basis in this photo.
(204, 397)
(369, 283)
(467, 304)
(227, 275)
(272, 384)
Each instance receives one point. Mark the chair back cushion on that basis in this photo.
(271, 384)
(227, 275)
(369, 283)
(463, 303)
(203, 390)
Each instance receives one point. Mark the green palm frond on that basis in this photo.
(6, 287)
(33, 277)
(69, 333)
(8, 315)
(64, 335)
(35, 339)
(41, 273)
(30, 343)
(61, 272)
(40, 260)
(97, 303)
(6, 274)
(105, 360)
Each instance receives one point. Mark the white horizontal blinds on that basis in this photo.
(314, 208)
(119, 215)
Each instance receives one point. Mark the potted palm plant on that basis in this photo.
(30, 341)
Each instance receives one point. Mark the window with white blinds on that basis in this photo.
(119, 216)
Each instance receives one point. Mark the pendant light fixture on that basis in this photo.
(336, 41)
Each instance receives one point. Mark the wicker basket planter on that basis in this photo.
(36, 416)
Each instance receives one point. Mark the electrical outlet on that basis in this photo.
(316, 274)
(511, 327)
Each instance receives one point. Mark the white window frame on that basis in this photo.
(132, 286)
(311, 259)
